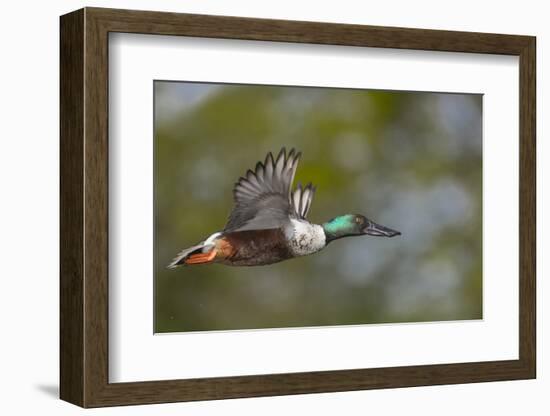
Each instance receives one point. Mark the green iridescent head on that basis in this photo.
(353, 225)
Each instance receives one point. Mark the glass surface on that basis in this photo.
(411, 161)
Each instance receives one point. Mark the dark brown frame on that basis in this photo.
(84, 208)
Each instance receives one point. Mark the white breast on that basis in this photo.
(306, 238)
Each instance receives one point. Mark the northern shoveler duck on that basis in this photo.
(269, 223)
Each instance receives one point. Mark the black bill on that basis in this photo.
(378, 230)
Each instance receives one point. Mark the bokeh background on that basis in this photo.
(408, 160)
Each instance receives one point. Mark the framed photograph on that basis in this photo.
(255, 207)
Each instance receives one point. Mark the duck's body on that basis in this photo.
(268, 223)
(260, 247)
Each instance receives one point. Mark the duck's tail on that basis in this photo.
(203, 252)
(200, 253)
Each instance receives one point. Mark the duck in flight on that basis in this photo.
(268, 223)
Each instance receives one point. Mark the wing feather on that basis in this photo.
(302, 198)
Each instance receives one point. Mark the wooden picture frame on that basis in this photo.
(84, 207)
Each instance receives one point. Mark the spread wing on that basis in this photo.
(262, 197)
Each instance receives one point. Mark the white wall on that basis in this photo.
(29, 208)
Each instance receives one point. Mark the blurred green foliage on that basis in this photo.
(408, 160)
